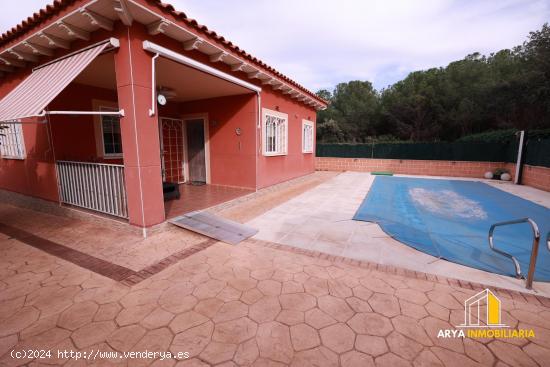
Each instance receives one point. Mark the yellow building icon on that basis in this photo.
(482, 310)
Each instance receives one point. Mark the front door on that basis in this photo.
(195, 150)
(172, 148)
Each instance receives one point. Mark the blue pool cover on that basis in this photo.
(450, 219)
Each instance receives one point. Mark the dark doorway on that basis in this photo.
(196, 151)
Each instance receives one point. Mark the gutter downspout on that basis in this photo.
(258, 133)
(153, 85)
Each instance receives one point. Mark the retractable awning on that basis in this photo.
(32, 96)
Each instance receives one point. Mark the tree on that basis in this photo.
(507, 89)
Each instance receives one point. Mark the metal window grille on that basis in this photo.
(94, 186)
(275, 135)
(12, 144)
(307, 138)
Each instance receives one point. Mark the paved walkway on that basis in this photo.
(321, 220)
(255, 304)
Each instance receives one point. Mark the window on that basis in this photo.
(110, 129)
(275, 133)
(12, 144)
(307, 136)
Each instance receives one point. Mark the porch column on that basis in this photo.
(140, 135)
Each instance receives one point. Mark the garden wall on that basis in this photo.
(538, 177)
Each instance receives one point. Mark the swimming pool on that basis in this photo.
(451, 219)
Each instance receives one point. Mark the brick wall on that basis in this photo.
(538, 177)
(535, 176)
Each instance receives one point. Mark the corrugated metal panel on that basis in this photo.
(34, 94)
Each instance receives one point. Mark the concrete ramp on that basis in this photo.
(215, 227)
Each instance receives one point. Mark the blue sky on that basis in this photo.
(320, 43)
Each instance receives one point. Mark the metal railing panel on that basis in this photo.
(95, 186)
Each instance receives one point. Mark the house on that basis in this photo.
(104, 101)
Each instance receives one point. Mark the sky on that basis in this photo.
(321, 43)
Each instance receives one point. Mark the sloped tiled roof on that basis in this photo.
(59, 5)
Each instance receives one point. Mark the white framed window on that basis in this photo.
(307, 136)
(110, 134)
(274, 133)
(12, 144)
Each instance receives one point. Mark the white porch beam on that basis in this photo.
(37, 49)
(23, 56)
(158, 27)
(193, 44)
(11, 62)
(74, 31)
(97, 19)
(218, 57)
(123, 12)
(184, 60)
(54, 41)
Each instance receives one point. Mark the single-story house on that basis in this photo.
(105, 104)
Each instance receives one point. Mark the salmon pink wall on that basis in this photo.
(272, 170)
(74, 136)
(34, 175)
(232, 156)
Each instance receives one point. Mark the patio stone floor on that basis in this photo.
(255, 304)
(321, 220)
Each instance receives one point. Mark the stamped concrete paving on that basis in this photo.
(249, 305)
(321, 220)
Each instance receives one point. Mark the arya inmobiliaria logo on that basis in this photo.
(483, 319)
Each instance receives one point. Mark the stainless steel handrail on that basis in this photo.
(534, 249)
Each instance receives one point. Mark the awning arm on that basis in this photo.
(106, 113)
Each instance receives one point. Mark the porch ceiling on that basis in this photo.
(187, 83)
(190, 84)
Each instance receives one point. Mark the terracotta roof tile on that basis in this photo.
(59, 5)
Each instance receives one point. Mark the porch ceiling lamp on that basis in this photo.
(161, 99)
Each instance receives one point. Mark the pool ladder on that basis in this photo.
(534, 249)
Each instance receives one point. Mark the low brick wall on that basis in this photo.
(411, 167)
(535, 176)
(538, 177)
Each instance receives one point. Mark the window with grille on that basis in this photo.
(12, 144)
(112, 140)
(275, 133)
(307, 136)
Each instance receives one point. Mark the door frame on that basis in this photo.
(161, 138)
(204, 117)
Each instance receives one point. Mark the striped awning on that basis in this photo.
(32, 96)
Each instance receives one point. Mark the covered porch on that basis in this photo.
(112, 150)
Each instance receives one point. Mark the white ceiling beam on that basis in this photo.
(23, 56)
(238, 67)
(268, 81)
(97, 19)
(254, 75)
(74, 31)
(11, 62)
(37, 49)
(193, 44)
(218, 57)
(123, 12)
(158, 27)
(54, 41)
